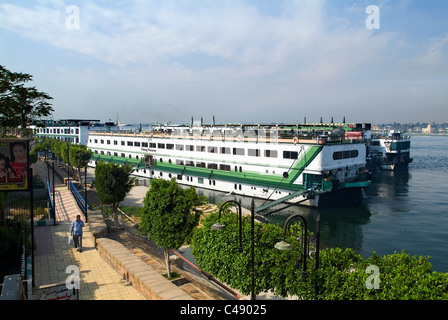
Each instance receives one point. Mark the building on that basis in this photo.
(70, 130)
(428, 129)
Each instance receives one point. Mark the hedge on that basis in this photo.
(342, 274)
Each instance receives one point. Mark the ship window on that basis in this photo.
(115, 142)
(213, 149)
(238, 151)
(115, 154)
(179, 177)
(225, 150)
(102, 141)
(212, 166)
(200, 164)
(253, 152)
(108, 141)
(123, 155)
(122, 143)
(161, 145)
(338, 155)
(189, 163)
(180, 162)
(189, 147)
(170, 146)
(200, 148)
(270, 153)
(290, 154)
(179, 147)
(137, 144)
(145, 144)
(152, 145)
(224, 167)
(200, 180)
(96, 140)
(130, 144)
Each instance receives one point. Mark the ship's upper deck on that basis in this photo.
(314, 133)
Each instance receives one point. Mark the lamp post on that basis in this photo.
(283, 245)
(219, 226)
(68, 168)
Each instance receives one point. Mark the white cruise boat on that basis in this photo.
(391, 151)
(293, 163)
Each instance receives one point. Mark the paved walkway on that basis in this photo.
(53, 255)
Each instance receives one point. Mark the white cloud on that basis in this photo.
(231, 56)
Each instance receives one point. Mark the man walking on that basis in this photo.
(76, 232)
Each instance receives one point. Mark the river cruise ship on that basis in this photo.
(389, 151)
(291, 163)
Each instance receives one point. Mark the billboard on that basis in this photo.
(14, 160)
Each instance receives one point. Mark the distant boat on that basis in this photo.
(119, 124)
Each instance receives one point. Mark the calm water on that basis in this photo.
(401, 210)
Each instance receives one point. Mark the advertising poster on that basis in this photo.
(14, 157)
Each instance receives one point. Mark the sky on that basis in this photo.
(256, 61)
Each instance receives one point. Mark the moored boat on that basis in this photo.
(293, 163)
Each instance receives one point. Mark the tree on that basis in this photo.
(169, 215)
(79, 157)
(20, 105)
(112, 183)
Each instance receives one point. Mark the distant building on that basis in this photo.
(428, 129)
(70, 130)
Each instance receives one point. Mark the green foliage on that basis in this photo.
(217, 253)
(112, 182)
(169, 215)
(20, 105)
(12, 236)
(342, 274)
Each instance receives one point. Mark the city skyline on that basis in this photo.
(240, 61)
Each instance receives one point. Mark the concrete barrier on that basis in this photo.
(141, 275)
(97, 225)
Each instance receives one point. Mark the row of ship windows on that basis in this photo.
(201, 180)
(57, 131)
(222, 150)
(188, 163)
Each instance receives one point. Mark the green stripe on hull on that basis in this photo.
(254, 178)
(304, 162)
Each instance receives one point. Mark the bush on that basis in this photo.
(342, 274)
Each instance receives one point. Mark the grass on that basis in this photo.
(174, 275)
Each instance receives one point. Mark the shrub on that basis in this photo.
(342, 274)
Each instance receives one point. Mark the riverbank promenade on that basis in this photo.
(55, 260)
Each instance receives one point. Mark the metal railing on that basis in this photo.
(51, 201)
(79, 199)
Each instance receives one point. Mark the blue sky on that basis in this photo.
(237, 60)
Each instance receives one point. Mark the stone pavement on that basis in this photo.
(53, 255)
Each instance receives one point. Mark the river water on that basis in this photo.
(405, 210)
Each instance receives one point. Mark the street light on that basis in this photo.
(219, 226)
(283, 245)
